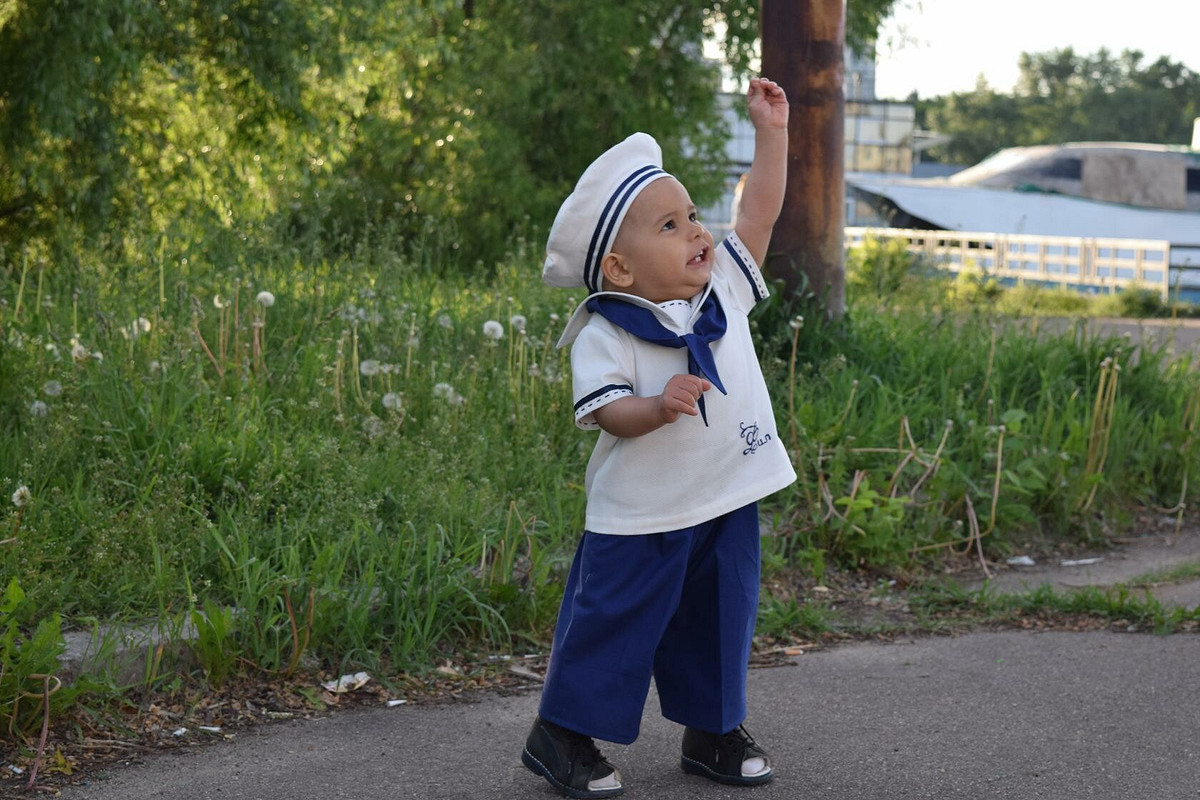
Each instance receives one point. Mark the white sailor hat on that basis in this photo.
(588, 221)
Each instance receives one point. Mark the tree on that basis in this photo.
(520, 99)
(1063, 96)
(802, 46)
(123, 123)
(469, 118)
(116, 108)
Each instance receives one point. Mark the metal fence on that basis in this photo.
(1094, 265)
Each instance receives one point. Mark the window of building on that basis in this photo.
(1067, 168)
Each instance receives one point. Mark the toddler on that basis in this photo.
(665, 579)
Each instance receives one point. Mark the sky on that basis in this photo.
(941, 46)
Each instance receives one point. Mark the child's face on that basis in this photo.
(665, 252)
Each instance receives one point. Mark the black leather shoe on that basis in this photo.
(720, 757)
(570, 762)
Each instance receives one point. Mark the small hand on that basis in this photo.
(681, 395)
(767, 104)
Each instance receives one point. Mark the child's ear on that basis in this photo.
(616, 270)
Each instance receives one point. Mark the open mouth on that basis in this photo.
(699, 259)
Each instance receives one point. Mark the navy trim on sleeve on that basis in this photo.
(758, 295)
(612, 387)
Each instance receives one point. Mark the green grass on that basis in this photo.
(1178, 573)
(357, 474)
(1117, 604)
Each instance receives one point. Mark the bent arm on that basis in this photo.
(628, 417)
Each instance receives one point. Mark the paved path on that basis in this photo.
(1131, 562)
(988, 715)
(1180, 335)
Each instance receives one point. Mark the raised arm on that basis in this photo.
(762, 195)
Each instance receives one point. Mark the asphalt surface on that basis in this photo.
(987, 715)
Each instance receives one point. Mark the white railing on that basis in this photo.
(1100, 265)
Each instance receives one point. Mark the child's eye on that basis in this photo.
(694, 217)
(669, 226)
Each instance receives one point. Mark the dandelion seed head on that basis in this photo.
(38, 409)
(446, 392)
(218, 302)
(518, 322)
(373, 427)
(445, 321)
(265, 299)
(369, 368)
(52, 349)
(493, 330)
(393, 401)
(52, 388)
(79, 352)
(21, 496)
(797, 322)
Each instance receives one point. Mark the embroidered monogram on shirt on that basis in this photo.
(750, 435)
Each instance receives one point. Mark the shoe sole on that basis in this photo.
(538, 768)
(696, 768)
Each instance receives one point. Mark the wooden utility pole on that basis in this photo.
(802, 47)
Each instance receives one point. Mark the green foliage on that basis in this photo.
(355, 475)
(1114, 603)
(1136, 302)
(213, 644)
(783, 619)
(456, 124)
(1063, 96)
(27, 666)
(869, 530)
(879, 268)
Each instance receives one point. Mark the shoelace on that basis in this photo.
(738, 738)
(583, 747)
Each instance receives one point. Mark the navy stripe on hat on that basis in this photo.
(602, 236)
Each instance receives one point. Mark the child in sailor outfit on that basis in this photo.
(665, 579)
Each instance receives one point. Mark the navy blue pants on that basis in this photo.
(680, 606)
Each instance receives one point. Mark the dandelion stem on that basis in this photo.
(17, 525)
(209, 353)
(237, 323)
(996, 481)
(41, 748)
(21, 287)
(987, 376)
(37, 305)
(412, 332)
(793, 434)
(339, 368)
(354, 365)
(849, 404)
(162, 268)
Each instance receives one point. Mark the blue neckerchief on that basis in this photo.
(641, 322)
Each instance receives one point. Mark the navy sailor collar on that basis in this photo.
(581, 314)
